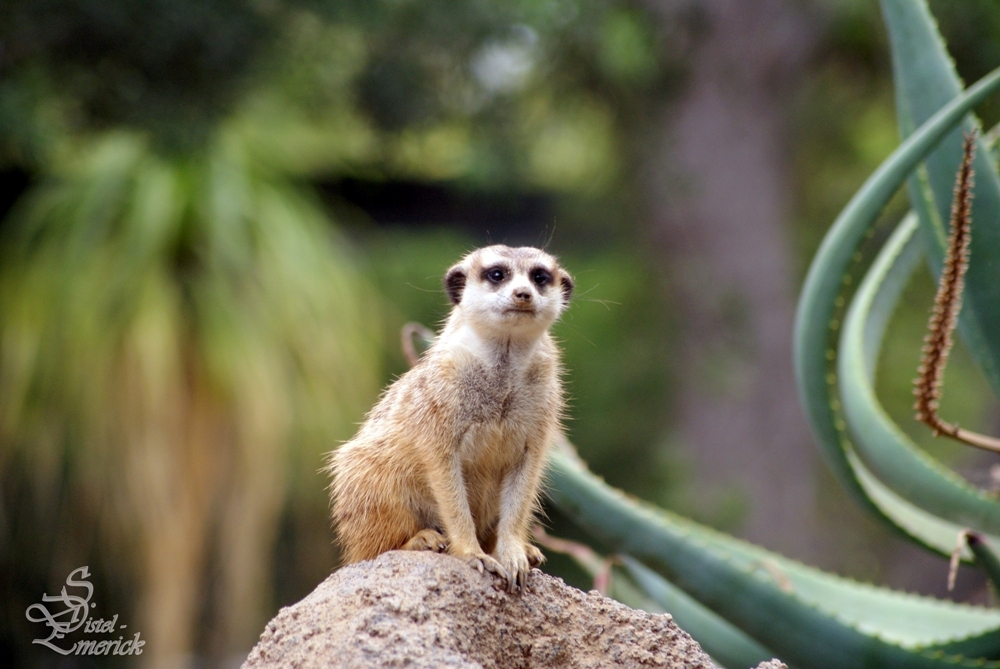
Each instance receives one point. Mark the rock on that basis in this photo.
(419, 609)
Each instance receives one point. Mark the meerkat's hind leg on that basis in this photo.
(427, 540)
(535, 556)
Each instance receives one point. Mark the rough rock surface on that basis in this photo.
(427, 610)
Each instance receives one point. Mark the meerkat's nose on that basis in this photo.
(522, 294)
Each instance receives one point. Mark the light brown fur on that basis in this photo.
(452, 456)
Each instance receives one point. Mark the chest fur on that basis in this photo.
(506, 412)
(506, 396)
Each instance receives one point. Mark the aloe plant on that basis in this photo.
(872, 456)
(743, 602)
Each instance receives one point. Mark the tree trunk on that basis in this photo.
(720, 202)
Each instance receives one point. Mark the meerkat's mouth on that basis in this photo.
(520, 310)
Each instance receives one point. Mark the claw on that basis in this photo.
(518, 564)
(482, 562)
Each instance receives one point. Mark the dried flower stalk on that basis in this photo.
(584, 555)
(409, 331)
(947, 304)
(956, 558)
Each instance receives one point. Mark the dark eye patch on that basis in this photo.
(541, 276)
(496, 274)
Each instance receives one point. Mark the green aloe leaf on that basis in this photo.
(816, 323)
(642, 588)
(926, 81)
(892, 455)
(986, 558)
(807, 617)
(728, 645)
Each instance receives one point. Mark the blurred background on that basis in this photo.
(217, 215)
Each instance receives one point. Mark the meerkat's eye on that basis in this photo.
(541, 276)
(495, 274)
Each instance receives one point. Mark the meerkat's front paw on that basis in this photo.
(518, 561)
(483, 562)
(427, 540)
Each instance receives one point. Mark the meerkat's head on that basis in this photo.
(500, 290)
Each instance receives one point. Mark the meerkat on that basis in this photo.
(451, 458)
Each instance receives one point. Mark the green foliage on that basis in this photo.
(182, 340)
(818, 304)
(121, 242)
(925, 81)
(970, 30)
(922, 66)
(806, 617)
(891, 454)
(750, 601)
(726, 643)
(626, 47)
(495, 93)
(616, 356)
(173, 66)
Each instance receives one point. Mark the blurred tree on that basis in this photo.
(183, 333)
(719, 197)
(179, 333)
(175, 67)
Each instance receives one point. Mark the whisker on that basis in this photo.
(605, 303)
(424, 290)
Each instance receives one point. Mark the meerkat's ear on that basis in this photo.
(566, 285)
(454, 283)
